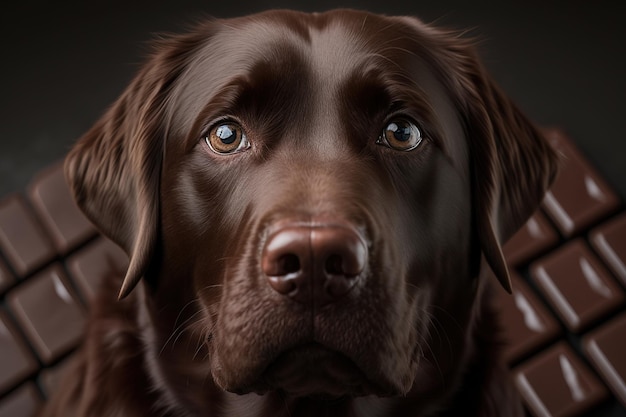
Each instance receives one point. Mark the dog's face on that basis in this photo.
(315, 135)
(308, 198)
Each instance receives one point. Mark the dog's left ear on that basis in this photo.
(512, 165)
(114, 170)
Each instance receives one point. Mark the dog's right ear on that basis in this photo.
(512, 165)
(114, 169)
(511, 162)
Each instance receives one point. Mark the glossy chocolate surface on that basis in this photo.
(64, 222)
(606, 348)
(557, 383)
(22, 240)
(49, 313)
(526, 322)
(97, 261)
(16, 361)
(609, 240)
(579, 196)
(536, 236)
(577, 284)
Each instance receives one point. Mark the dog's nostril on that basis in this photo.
(334, 265)
(288, 264)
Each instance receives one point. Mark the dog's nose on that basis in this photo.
(314, 263)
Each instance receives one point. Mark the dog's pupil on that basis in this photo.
(226, 134)
(401, 134)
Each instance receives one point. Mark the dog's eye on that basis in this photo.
(227, 138)
(400, 135)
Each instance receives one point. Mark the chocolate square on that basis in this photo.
(533, 238)
(24, 402)
(579, 196)
(557, 383)
(16, 360)
(49, 313)
(606, 348)
(22, 240)
(577, 285)
(52, 200)
(526, 323)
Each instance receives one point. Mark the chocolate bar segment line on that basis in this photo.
(602, 362)
(23, 402)
(22, 239)
(531, 239)
(49, 313)
(16, 361)
(98, 261)
(579, 196)
(558, 212)
(557, 383)
(606, 349)
(565, 308)
(611, 256)
(5, 277)
(609, 241)
(51, 198)
(539, 408)
(526, 323)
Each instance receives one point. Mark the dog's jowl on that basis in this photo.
(311, 204)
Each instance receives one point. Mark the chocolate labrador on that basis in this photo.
(311, 205)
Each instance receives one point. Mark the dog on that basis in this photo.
(312, 205)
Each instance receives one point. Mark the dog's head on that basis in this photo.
(308, 199)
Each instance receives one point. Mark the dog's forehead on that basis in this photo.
(237, 46)
(328, 51)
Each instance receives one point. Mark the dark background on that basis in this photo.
(63, 64)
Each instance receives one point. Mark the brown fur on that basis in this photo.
(199, 331)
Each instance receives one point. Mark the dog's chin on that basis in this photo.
(315, 371)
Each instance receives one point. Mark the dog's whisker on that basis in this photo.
(441, 329)
(190, 326)
(451, 317)
(182, 310)
(201, 344)
(210, 287)
(178, 331)
(283, 397)
(434, 361)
